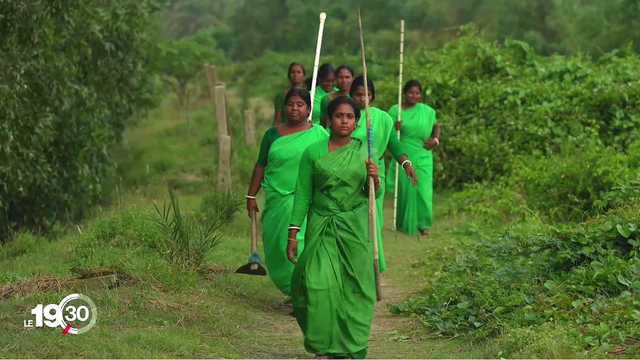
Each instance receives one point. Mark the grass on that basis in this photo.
(221, 315)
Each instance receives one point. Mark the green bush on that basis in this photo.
(579, 181)
(496, 102)
(585, 275)
(125, 243)
(184, 242)
(73, 74)
(23, 243)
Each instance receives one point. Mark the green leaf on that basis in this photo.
(636, 284)
(623, 281)
(624, 231)
(550, 285)
(499, 310)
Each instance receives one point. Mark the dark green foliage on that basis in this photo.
(496, 103)
(72, 75)
(585, 276)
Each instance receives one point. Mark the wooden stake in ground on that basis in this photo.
(250, 127)
(224, 139)
(372, 191)
(323, 17)
(212, 79)
(221, 110)
(399, 119)
(224, 163)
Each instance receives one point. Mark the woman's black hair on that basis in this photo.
(296, 64)
(411, 83)
(359, 81)
(333, 105)
(326, 69)
(302, 93)
(343, 67)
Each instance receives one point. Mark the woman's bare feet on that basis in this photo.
(424, 232)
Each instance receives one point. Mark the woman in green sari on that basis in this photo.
(419, 134)
(383, 136)
(326, 82)
(280, 152)
(344, 78)
(333, 285)
(296, 78)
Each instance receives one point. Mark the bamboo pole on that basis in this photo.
(323, 17)
(372, 191)
(399, 119)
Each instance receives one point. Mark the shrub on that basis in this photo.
(185, 243)
(585, 275)
(73, 73)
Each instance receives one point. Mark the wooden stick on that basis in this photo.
(372, 190)
(395, 186)
(323, 17)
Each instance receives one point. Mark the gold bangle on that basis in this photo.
(290, 239)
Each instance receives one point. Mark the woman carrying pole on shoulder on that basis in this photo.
(280, 152)
(296, 75)
(333, 285)
(420, 134)
(383, 136)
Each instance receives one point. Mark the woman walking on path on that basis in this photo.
(296, 75)
(384, 136)
(344, 78)
(333, 286)
(420, 133)
(326, 82)
(280, 152)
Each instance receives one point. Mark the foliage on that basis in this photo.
(184, 242)
(497, 103)
(73, 73)
(183, 59)
(579, 181)
(585, 276)
(124, 242)
(253, 27)
(221, 205)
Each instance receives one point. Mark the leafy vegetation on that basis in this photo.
(185, 242)
(72, 76)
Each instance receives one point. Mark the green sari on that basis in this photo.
(415, 204)
(278, 184)
(317, 103)
(382, 130)
(333, 286)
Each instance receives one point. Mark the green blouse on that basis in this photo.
(269, 137)
(279, 105)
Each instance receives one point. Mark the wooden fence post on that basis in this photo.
(224, 163)
(250, 127)
(221, 110)
(212, 79)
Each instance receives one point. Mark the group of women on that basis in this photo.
(315, 217)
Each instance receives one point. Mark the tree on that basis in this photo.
(72, 74)
(183, 59)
